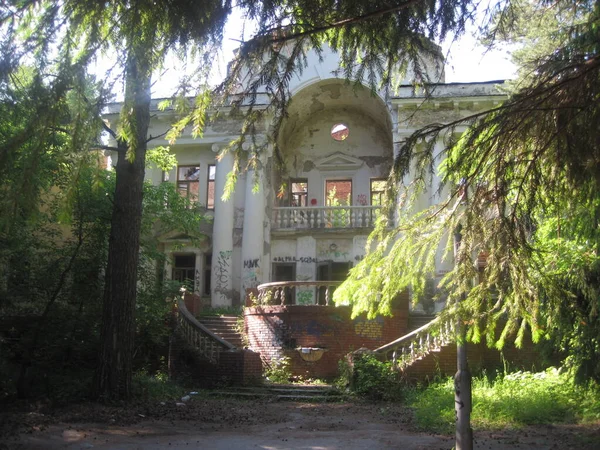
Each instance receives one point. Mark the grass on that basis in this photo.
(156, 388)
(513, 400)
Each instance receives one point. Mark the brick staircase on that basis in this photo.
(283, 392)
(225, 327)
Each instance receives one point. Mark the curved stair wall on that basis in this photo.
(198, 353)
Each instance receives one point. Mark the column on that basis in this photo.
(253, 234)
(221, 277)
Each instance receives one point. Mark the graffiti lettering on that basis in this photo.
(197, 281)
(251, 263)
(334, 254)
(222, 270)
(302, 259)
(359, 257)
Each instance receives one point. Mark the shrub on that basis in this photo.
(371, 378)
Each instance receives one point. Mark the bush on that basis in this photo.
(371, 378)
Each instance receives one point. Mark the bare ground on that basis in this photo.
(209, 423)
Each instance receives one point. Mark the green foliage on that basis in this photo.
(279, 370)
(521, 186)
(371, 378)
(511, 400)
(156, 387)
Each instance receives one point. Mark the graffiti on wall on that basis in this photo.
(197, 281)
(305, 297)
(331, 254)
(372, 329)
(302, 259)
(223, 270)
(311, 328)
(251, 263)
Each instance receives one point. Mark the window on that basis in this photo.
(207, 272)
(299, 192)
(187, 182)
(377, 191)
(210, 190)
(338, 192)
(184, 267)
(340, 131)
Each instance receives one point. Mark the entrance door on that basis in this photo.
(286, 272)
(331, 271)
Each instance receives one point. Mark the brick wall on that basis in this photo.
(277, 331)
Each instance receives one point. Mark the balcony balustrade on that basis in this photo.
(297, 292)
(297, 217)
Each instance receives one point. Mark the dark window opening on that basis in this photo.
(187, 182)
(331, 271)
(299, 192)
(184, 268)
(207, 273)
(210, 189)
(286, 272)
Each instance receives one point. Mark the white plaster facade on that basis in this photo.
(258, 237)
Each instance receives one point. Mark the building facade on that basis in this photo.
(338, 144)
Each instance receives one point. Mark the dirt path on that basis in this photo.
(229, 424)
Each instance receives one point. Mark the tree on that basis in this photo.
(141, 32)
(64, 36)
(524, 189)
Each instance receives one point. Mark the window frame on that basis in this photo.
(187, 183)
(337, 180)
(371, 191)
(300, 194)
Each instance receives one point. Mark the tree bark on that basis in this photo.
(114, 370)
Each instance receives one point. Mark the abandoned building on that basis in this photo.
(338, 143)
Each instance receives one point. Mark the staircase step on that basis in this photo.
(300, 393)
(226, 327)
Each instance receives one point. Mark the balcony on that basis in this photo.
(320, 217)
(297, 293)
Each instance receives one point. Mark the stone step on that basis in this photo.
(225, 327)
(299, 393)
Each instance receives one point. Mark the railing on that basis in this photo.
(199, 337)
(308, 292)
(325, 217)
(419, 343)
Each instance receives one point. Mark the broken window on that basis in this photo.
(377, 191)
(299, 192)
(184, 267)
(210, 190)
(187, 182)
(338, 192)
(340, 131)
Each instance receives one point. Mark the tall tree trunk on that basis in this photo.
(114, 371)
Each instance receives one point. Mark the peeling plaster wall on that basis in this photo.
(368, 141)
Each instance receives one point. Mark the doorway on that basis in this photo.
(331, 271)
